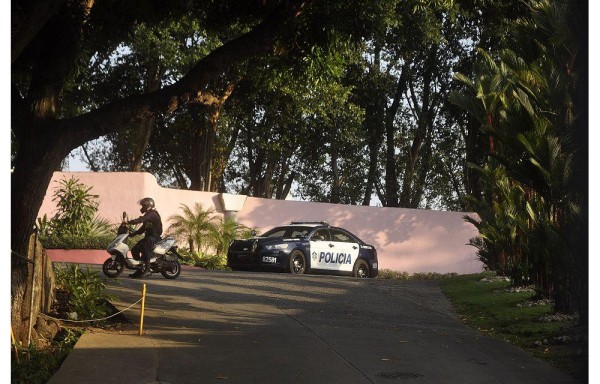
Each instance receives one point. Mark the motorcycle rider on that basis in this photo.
(152, 230)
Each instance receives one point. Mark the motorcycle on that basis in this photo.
(165, 258)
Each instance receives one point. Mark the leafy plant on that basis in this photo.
(75, 220)
(388, 274)
(76, 211)
(227, 231)
(78, 242)
(85, 290)
(199, 259)
(204, 232)
(530, 206)
(35, 366)
(194, 226)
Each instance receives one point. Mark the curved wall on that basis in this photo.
(411, 240)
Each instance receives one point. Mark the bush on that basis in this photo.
(76, 242)
(36, 366)
(85, 291)
(199, 259)
(389, 274)
(75, 224)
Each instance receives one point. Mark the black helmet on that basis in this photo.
(146, 203)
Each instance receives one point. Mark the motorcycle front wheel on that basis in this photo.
(113, 268)
(174, 273)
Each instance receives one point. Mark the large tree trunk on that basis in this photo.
(425, 120)
(375, 128)
(392, 188)
(198, 148)
(204, 175)
(32, 290)
(154, 74)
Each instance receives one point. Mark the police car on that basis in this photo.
(305, 247)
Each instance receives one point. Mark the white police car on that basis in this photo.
(305, 247)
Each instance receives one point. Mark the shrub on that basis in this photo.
(76, 242)
(36, 366)
(75, 224)
(389, 274)
(85, 290)
(199, 259)
(194, 226)
(203, 232)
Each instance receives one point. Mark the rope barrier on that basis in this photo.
(88, 321)
(19, 256)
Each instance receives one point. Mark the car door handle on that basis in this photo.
(331, 245)
(354, 247)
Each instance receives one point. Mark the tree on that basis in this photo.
(194, 226)
(524, 102)
(43, 68)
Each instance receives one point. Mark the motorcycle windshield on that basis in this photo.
(117, 240)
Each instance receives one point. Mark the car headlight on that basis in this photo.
(276, 246)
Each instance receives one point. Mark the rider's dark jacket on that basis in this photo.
(151, 224)
(152, 229)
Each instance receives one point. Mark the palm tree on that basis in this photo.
(196, 227)
(227, 231)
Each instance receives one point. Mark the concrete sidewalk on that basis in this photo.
(109, 357)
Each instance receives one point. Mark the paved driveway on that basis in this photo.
(215, 327)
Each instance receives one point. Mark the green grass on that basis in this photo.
(481, 306)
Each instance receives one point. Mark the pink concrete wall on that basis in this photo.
(83, 256)
(410, 240)
(120, 191)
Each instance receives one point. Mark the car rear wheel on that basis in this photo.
(361, 269)
(297, 264)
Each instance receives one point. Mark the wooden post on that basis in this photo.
(142, 311)
(14, 343)
(33, 282)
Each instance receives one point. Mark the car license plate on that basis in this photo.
(269, 259)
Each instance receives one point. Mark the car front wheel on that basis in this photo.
(361, 269)
(297, 262)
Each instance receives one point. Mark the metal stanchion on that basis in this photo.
(142, 311)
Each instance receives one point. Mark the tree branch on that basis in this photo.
(28, 21)
(189, 89)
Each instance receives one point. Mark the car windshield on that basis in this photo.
(292, 232)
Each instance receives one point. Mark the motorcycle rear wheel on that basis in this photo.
(172, 274)
(113, 268)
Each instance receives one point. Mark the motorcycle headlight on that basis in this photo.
(276, 246)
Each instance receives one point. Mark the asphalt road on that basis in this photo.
(243, 327)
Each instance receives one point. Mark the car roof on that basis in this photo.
(307, 224)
